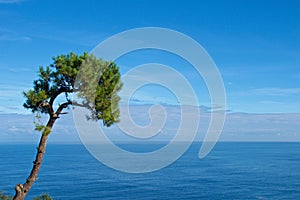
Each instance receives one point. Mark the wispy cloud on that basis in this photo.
(78, 37)
(19, 69)
(11, 98)
(276, 91)
(272, 103)
(11, 1)
(7, 35)
(159, 84)
(238, 126)
(17, 128)
(262, 127)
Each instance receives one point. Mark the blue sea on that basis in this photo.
(230, 171)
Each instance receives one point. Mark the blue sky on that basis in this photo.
(255, 44)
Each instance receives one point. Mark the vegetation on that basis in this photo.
(5, 197)
(41, 197)
(99, 95)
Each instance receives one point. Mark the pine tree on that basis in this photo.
(99, 95)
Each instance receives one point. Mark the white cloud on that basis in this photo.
(78, 37)
(238, 126)
(7, 35)
(11, 99)
(163, 83)
(11, 1)
(19, 69)
(275, 91)
(18, 128)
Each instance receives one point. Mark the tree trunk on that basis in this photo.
(23, 189)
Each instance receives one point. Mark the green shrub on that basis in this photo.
(41, 197)
(5, 197)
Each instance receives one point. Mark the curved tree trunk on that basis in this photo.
(23, 189)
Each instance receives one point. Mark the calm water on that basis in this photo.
(231, 171)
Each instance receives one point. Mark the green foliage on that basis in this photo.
(5, 197)
(44, 129)
(99, 95)
(47, 130)
(39, 127)
(43, 197)
(101, 91)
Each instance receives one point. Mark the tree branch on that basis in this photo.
(61, 107)
(47, 105)
(58, 92)
(86, 105)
